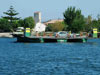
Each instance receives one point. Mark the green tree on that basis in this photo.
(55, 27)
(74, 19)
(78, 25)
(11, 13)
(95, 24)
(20, 23)
(89, 19)
(29, 22)
(65, 26)
(88, 24)
(4, 25)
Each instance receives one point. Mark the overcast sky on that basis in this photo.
(50, 9)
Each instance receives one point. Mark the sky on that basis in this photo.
(50, 9)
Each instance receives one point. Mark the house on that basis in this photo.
(53, 21)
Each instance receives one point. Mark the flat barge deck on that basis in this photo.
(42, 39)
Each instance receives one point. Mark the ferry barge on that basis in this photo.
(49, 39)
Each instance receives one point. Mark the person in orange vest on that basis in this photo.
(68, 35)
(44, 34)
(74, 36)
(50, 34)
(37, 34)
(56, 35)
(87, 34)
(81, 34)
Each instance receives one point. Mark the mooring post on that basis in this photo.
(95, 33)
(27, 32)
(42, 40)
(84, 40)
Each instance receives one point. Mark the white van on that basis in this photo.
(20, 29)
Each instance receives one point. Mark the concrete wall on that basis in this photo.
(6, 35)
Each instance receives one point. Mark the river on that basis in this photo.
(49, 58)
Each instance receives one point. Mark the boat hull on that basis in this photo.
(49, 39)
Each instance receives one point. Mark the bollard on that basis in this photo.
(27, 32)
(95, 33)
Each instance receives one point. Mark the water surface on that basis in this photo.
(49, 58)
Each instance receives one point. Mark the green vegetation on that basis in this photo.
(11, 13)
(74, 21)
(9, 23)
(55, 27)
(4, 25)
(29, 22)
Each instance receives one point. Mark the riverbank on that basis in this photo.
(6, 35)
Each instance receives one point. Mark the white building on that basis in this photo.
(40, 27)
(53, 21)
(37, 17)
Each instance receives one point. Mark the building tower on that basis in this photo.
(37, 17)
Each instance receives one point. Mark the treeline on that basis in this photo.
(9, 23)
(74, 21)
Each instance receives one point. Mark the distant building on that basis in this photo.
(39, 27)
(37, 17)
(53, 21)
